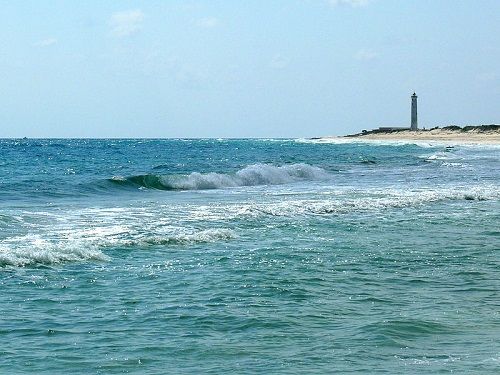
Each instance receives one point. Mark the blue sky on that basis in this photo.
(289, 68)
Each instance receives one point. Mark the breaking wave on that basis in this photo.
(27, 251)
(252, 175)
(202, 236)
(37, 250)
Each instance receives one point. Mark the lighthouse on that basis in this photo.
(414, 123)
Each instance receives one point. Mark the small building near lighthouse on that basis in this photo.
(414, 120)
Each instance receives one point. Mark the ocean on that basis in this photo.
(248, 256)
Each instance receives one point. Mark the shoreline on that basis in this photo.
(468, 135)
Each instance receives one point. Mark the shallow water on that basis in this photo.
(248, 256)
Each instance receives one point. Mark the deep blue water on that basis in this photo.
(248, 256)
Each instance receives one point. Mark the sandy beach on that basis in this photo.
(437, 135)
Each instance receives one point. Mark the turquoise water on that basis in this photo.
(248, 256)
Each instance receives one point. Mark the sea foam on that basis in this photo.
(369, 200)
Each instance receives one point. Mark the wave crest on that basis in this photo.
(252, 175)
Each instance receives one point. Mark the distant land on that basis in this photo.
(484, 134)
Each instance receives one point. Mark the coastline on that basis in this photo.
(473, 135)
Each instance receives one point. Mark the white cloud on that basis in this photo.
(279, 62)
(208, 22)
(353, 3)
(126, 23)
(366, 54)
(46, 42)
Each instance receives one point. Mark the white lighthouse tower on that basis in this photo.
(414, 122)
